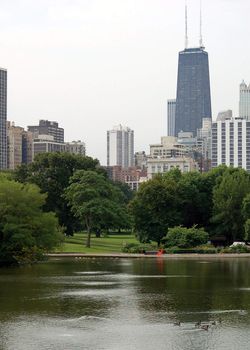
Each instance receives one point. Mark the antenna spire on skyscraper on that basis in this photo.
(201, 40)
(186, 36)
(186, 27)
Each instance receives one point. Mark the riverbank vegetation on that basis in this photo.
(60, 194)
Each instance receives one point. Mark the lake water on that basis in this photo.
(117, 304)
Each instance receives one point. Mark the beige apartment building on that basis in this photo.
(19, 146)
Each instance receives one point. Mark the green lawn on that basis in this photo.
(111, 244)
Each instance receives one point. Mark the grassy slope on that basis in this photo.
(111, 244)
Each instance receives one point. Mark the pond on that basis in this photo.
(117, 304)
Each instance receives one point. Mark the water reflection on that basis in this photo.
(125, 304)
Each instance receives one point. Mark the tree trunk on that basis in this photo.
(88, 235)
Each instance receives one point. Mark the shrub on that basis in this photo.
(183, 237)
(236, 249)
(137, 248)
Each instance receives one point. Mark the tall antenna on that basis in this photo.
(201, 40)
(186, 27)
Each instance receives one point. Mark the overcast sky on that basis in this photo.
(92, 64)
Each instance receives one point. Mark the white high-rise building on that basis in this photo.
(231, 143)
(171, 117)
(120, 146)
(244, 104)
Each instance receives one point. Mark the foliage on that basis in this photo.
(236, 249)
(96, 202)
(247, 230)
(136, 248)
(183, 237)
(155, 209)
(196, 250)
(25, 231)
(51, 172)
(228, 196)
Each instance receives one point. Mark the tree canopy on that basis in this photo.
(25, 230)
(96, 202)
(51, 172)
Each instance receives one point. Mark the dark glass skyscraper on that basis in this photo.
(193, 101)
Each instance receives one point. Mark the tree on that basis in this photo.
(155, 209)
(25, 230)
(95, 201)
(228, 196)
(247, 230)
(51, 172)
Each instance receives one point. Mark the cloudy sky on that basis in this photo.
(92, 64)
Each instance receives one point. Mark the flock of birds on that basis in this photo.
(200, 325)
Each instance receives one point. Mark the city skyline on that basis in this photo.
(86, 64)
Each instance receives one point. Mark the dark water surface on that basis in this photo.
(126, 304)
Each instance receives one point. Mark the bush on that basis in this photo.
(137, 248)
(183, 237)
(236, 249)
(176, 250)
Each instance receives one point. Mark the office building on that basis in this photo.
(171, 117)
(47, 127)
(193, 101)
(231, 143)
(244, 104)
(167, 155)
(204, 144)
(46, 143)
(120, 146)
(27, 147)
(141, 160)
(19, 146)
(168, 148)
(3, 118)
(14, 145)
(76, 147)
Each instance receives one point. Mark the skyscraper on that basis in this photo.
(193, 101)
(230, 140)
(47, 127)
(3, 118)
(120, 147)
(244, 104)
(171, 117)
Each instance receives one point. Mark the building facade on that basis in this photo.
(76, 147)
(244, 103)
(171, 117)
(168, 148)
(120, 147)
(3, 119)
(193, 101)
(19, 146)
(231, 143)
(163, 165)
(47, 127)
(45, 144)
(14, 145)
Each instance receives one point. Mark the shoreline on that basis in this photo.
(142, 256)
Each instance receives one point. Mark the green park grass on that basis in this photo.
(111, 244)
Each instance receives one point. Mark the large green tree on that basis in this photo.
(228, 195)
(96, 202)
(51, 172)
(25, 229)
(155, 208)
